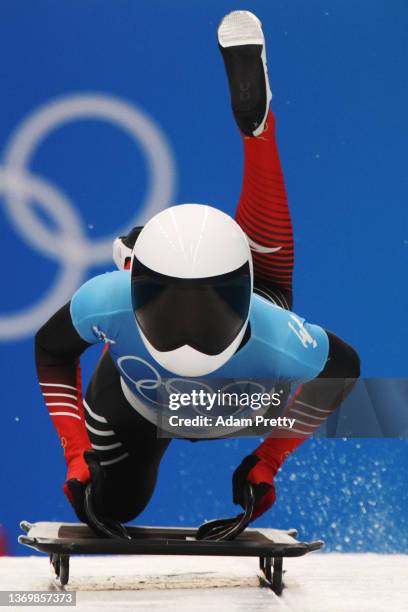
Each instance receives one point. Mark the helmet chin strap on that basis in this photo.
(187, 361)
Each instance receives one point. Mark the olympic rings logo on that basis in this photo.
(179, 385)
(69, 244)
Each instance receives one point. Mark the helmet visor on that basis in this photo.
(204, 313)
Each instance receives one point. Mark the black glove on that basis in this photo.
(75, 489)
(260, 474)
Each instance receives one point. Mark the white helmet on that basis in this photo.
(191, 288)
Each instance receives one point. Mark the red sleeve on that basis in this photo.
(274, 451)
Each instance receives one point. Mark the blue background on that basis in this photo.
(338, 73)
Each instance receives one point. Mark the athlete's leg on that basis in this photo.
(263, 211)
(126, 445)
(264, 215)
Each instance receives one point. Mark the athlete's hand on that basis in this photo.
(83, 469)
(260, 474)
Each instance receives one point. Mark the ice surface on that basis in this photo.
(318, 582)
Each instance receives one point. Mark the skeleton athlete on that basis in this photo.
(198, 295)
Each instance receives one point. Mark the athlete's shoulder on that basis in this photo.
(99, 299)
(303, 346)
(104, 293)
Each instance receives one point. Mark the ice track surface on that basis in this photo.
(318, 582)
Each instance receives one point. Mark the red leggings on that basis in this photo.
(263, 213)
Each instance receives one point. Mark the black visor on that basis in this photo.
(204, 313)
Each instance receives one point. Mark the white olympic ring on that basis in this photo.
(144, 383)
(171, 386)
(69, 245)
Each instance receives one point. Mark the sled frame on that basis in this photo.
(61, 540)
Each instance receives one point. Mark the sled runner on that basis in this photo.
(61, 540)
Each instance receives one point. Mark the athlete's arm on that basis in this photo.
(319, 398)
(58, 347)
(89, 318)
(314, 402)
